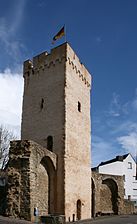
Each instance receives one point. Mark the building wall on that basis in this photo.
(44, 79)
(130, 183)
(78, 141)
(123, 168)
(55, 84)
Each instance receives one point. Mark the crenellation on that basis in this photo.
(28, 64)
(84, 74)
(33, 69)
(27, 67)
(46, 60)
(40, 59)
(73, 58)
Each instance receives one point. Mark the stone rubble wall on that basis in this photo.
(103, 195)
(104, 198)
(3, 191)
(24, 162)
(129, 207)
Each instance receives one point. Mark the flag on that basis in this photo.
(60, 34)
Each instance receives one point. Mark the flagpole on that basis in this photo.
(65, 28)
(136, 164)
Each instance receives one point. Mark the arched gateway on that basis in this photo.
(109, 196)
(32, 179)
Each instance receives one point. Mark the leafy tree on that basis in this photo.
(5, 137)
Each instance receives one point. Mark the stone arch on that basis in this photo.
(109, 196)
(43, 179)
(47, 163)
(92, 198)
(30, 165)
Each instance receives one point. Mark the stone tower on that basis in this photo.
(56, 115)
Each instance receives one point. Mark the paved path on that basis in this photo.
(5, 220)
(128, 219)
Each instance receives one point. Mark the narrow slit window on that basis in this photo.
(79, 106)
(42, 104)
(50, 143)
(33, 71)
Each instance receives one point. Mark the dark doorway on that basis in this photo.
(113, 192)
(78, 209)
(47, 186)
(92, 198)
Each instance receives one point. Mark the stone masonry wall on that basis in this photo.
(44, 107)
(3, 191)
(109, 193)
(77, 138)
(55, 83)
(18, 198)
(129, 207)
(103, 195)
(24, 176)
(43, 166)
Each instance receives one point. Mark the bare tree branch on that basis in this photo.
(5, 137)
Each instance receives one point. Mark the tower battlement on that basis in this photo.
(78, 66)
(62, 53)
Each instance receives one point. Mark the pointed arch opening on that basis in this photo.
(110, 191)
(92, 198)
(46, 186)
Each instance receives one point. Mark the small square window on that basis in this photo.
(129, 165)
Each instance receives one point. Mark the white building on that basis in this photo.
(124, 166)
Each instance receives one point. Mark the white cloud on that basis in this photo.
(118, 131)
(134, 102)
(129, 142)
(125, 126)
(115, 107)
(17, 15)
(11, 83)
(11, 92)
(8, 29)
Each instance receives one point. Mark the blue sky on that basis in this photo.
(103, 33)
